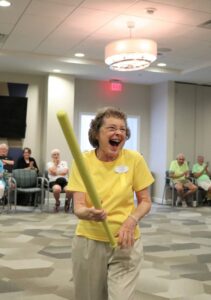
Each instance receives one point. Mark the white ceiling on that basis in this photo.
(42, 35)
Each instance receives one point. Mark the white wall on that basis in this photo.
(91, 95)
(192, 121)
(60, 96)
(160, 131)
(203, 122)
(185, 111)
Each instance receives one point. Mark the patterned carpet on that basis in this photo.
(35, 255)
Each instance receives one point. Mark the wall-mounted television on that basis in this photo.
(13, 116)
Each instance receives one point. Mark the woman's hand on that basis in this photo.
(126, 233)
(82, 211)
(52, 171)
(91, 214)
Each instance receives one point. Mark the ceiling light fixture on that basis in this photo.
(130, 54)
(4, 3)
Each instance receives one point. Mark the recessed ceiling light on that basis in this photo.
(5, 3)
(161, 65)
(150, 10)
(79, 54)
(57, 71)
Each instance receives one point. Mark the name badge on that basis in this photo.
(121, 169)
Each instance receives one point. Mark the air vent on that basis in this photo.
(161, 51)
(164, 50)
(3, 37)
(206, 25)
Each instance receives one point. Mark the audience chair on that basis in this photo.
(169, 189)
(200, 193)
(27, 181)
(200, 196)
(4, 202)
(49, 190)
(15, 153)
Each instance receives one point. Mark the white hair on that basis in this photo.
(5, 146)
(55, 151)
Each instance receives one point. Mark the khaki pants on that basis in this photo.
(103, 273)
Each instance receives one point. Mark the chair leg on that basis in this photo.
(48, 199)
(164, 194)
(42, 198)
(15, 199)
(173, 195)
(35, 199)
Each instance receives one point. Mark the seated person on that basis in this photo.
(8, 162)
(2, 182)
(26, 161)
(179, 172)
(202, 175)
(58, 178)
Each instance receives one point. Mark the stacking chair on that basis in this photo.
(27, 181)
(15, 153)
(201, 196)
(5, 199)
(169, 189)
(200, 193)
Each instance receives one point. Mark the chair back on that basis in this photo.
(15, 153)
(167, 178)
(46, 174)
(25, 178)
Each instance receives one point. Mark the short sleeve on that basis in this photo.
(142, 175)
(172, 166)
(75, 182)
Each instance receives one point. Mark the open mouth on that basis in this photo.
(114, 142)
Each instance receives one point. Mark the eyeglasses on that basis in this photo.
(113, 129)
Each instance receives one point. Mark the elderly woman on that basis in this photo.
(26, 161)
(8, 162)
(58, 178)
(99, 271)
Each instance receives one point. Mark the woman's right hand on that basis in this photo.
(90, 213)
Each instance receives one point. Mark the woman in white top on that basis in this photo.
(58, 178)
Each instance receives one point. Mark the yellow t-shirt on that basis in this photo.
(115, 183)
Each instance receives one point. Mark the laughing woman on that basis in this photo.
(103, 272)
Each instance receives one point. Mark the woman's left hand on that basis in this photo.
(126, 233)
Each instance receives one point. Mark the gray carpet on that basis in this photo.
(35, 255)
